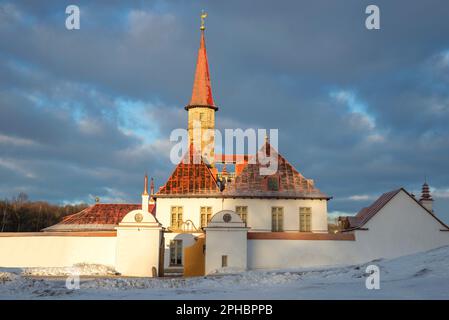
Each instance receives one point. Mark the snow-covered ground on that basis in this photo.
(420, 276)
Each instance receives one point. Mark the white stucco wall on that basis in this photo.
(55, 251)
(226, 239)
(138, 242)
(259, 211)
(275, 254)
(402, 227)
(232, 243)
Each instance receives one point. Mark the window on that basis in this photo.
(205, 214)
(305, 219)
(202, 116)
(176, 253)
(224, 261)
(273, 184)
(277, 219)
(176, 217)
(242, 211)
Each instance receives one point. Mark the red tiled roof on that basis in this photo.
(291, 184)
(190, 178)
(101, 216)
(365, 214)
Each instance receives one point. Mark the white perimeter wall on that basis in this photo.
(228, 242)
(56, 251)
(402, 227)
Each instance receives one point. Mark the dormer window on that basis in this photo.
(273, 183)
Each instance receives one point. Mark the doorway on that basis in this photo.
(176, 253)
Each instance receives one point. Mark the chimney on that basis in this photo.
(145, 195)
(426, 199)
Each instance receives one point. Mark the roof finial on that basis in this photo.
(203, 16)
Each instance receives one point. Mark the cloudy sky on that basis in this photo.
(86, 112)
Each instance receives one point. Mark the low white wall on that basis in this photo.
(280, 254)
(31, 250)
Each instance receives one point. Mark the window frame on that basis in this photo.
(305, 219)
(242, 211)
(176, 249)
(277, 215)
(205, 216)
(176, 217)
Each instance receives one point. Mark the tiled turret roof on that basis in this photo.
(202, 89)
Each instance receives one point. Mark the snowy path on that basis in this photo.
(419, 276)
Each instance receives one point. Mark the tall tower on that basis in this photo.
(201, 109)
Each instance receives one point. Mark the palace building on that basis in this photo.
(205, 220)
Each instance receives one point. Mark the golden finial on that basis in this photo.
(203, 16)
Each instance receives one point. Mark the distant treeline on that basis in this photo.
(21, 215)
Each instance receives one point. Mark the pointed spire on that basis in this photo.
(145, 185)
(202, 89)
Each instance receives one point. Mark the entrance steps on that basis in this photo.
(173, 272)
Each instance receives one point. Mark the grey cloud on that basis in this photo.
(273, 65)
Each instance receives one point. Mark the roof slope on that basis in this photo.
(100, 216)
(364, 215)
(290, 183)
(191, 177)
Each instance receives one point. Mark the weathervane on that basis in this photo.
(203, 16)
